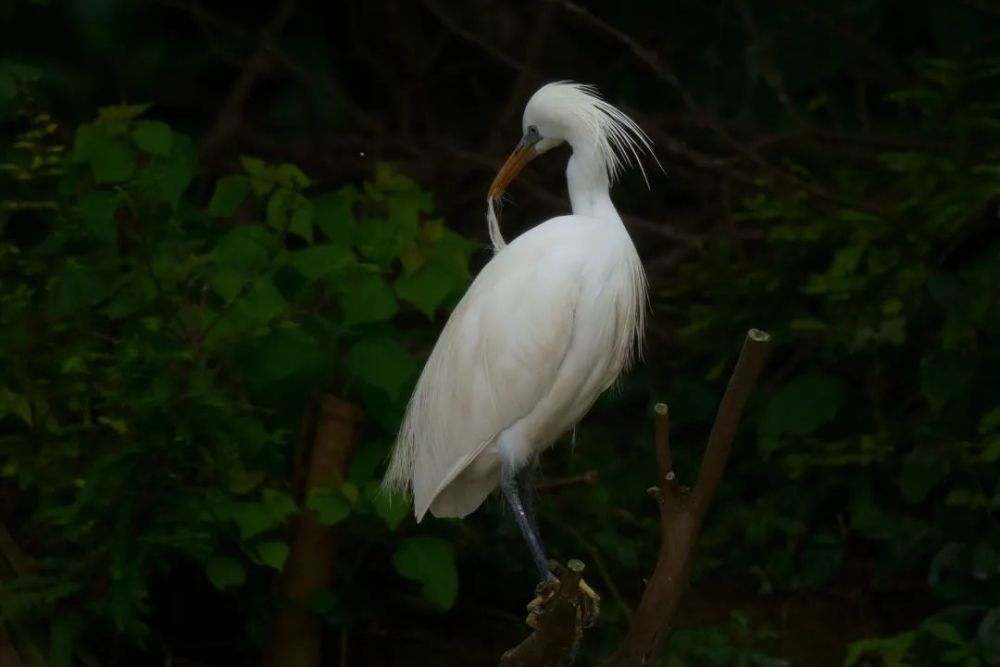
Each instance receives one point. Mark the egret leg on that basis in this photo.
(514, 484)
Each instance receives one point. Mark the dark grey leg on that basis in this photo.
(513, 484)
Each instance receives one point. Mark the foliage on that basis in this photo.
(881, 425)
(161, 353)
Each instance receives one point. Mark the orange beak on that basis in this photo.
(523, 154)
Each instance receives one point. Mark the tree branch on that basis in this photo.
(681, 512)
(560, 626)
(296, 633)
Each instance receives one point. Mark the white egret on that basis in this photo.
(547, 325)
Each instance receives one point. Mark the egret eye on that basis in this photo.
(532, 131)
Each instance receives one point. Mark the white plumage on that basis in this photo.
(547, 325)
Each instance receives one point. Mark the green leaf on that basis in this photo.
(944, 377)
(290, 175)
(922, 470)
(946, 632)
(319, 261)
(279, 504)
(8, 88)
(227, 283)
(273, 553)
(382, 363)
(390, 507)
(279, 205)
(153, 137)
(111, 161)
(230, 191)
(430, 561)
(121, 113)
(261, 304)
(262, 177)
(330, 505)
(247, 249)
(990, 421)
(302, 223)
(64, 634)
(891, 650)
(799, 408)
(97, 213)
(335, 218)
(371, 301)
(167, 179)
(12, 403)
(286, 352)
(253, 519)
(225, 572)
(988, 633)
(426, 288)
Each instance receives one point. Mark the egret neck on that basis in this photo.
(589, 189)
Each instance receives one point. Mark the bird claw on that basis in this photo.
(589, 607)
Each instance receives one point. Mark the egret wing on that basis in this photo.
(498, 355)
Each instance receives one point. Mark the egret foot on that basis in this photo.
(589, 600)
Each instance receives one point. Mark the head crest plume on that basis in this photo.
(616, 139)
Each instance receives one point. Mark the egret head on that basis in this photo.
(574, 113)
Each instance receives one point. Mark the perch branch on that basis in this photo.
(560, 626)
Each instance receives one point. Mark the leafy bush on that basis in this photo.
(160, 354)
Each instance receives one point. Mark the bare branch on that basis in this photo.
(585, 479)
(681, 513)
(720, 440)
(664, 460)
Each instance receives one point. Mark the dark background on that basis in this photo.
(831, 173)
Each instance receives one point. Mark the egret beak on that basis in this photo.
(523, 153)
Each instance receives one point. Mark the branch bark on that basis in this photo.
(296, 633)
(560, 626)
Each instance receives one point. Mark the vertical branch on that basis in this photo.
(230, 117)
(296, 632)
(681, 512)
(664, 460)
(727, 420)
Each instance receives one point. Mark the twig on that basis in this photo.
(588, 477)
(765, 60)
(609, 583)
(19, 561)
(230, 116)
(664, 461)
(472, 38)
